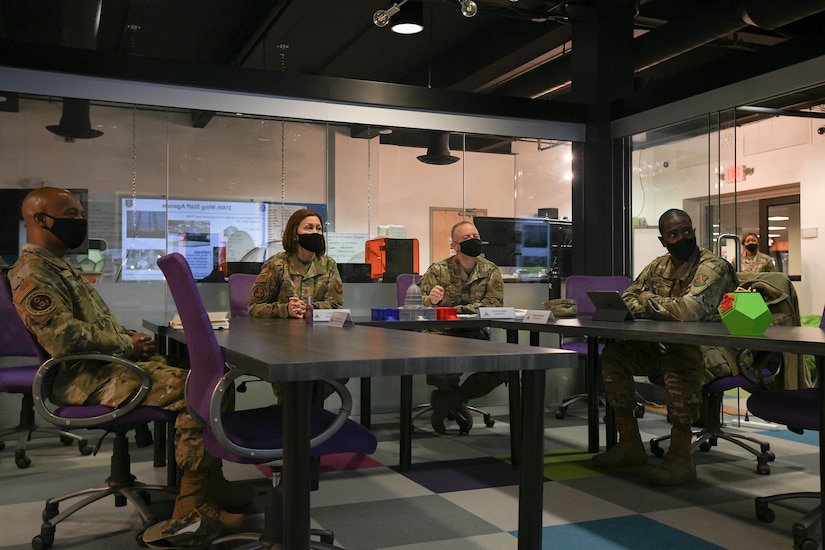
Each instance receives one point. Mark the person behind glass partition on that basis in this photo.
(752, 259)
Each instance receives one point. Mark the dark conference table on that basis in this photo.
(296, 354)
(790, 339)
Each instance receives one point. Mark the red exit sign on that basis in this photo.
(735, 173)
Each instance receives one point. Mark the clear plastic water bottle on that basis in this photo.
(310, 311)
(554, 291)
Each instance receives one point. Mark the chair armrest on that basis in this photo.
(760, 372)
(42, 379)
(216, 426)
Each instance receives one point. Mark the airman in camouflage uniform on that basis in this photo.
(68, 316)
(302, 271)
(685, 285)
(464, 281)
(752, 259)
(284, 275)
(300, 275)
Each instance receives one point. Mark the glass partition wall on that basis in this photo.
(218, 187)
(735, 174)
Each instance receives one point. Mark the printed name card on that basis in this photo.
(324, 315)
(496, 313)
(341, 318)
(539, 316)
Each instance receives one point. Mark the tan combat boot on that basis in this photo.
(678, 466)
(629, 451)
(192, 496)
(223, 492)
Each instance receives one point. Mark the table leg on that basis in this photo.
(514, 401)
(591, 386)
(531, 475)
(366, 403)
(297, 398)
(405, 444)
(516, 436)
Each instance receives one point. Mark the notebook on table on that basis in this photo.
(609, 306)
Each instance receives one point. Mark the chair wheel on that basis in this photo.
(762, 467)
(704, 446)
(770, 456)
(42, 543)
(639, 411)
(2, 445)
(765, 514)
(23, 462)
(657, 451)
(488, 421)
(560, 412)
(66, 440)
(806, 544)
(84, 449)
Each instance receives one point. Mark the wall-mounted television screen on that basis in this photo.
(532, 243)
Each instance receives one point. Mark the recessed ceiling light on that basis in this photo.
(777, 228)
(778, 218)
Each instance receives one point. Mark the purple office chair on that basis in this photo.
(759, 370)
(799, 411)
(252, 436)
(240, 285)
(17, 341)
(129, 416)
(576, 288)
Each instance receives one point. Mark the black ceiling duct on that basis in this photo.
(75, 123)
(438, 151)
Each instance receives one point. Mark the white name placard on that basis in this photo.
(341, 318)
(539, 316)
(324, 315)
(496, 313)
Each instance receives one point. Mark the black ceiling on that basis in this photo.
(510, 48)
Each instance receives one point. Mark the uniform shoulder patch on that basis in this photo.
(700, 280)
(498, 284)
(40, 303)
(258, 293)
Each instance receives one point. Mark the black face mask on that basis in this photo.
(752, 247)
(314, 242)
(683, 249)
(471, 247)
(70, 231)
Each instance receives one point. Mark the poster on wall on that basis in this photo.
(208, 233)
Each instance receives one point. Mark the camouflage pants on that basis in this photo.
(682, 367)
(116, 384)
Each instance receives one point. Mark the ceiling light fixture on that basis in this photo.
(468, 8)
(409, 21)
(381, 18)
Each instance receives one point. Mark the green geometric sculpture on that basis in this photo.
(92, 262)
(745, 313)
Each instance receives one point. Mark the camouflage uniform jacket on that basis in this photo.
(690, 292)
(284, 275)
(67, 315)
(482, 287)
(758, 262)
